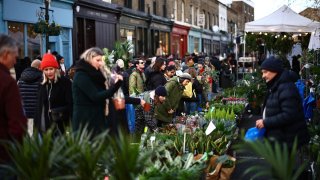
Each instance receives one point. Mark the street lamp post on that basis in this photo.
(46, 18)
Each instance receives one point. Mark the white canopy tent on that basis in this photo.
(282, 20)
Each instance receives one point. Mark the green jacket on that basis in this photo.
(136, 82)
(174, 95)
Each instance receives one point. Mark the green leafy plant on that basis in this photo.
(39, 158)
(123, 159)
(281, 160)
(42, 27)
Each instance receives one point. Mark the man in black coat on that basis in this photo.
(29, 84)
(283, 115)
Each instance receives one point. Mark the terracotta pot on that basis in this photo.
(119, 103)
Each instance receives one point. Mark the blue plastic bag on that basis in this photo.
(131, 117)
(254, 134)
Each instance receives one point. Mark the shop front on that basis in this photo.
(195, 41)
(216, 44)
(207, 46)
(134, 27)
(95, 25)
(160, 37)
(19, 17)
(179, 38)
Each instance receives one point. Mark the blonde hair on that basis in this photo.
(90, 53)
(56, 77)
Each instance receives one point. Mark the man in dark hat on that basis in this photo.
(283, 115)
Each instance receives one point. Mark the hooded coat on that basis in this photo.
(284, 118)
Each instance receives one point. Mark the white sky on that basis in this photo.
(263, 8)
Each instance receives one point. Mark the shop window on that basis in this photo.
(33, 40)
(164, 42)
(16, 31)
(90, 36)
(196, 45)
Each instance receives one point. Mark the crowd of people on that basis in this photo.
(46, 94)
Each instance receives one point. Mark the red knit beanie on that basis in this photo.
(48, 60)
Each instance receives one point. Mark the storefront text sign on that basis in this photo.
(180, 31)
(160, 27)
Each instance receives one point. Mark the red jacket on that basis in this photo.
(13, 122)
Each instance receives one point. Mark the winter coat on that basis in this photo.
(174, 94)
(155, 79)
(137, 81)
(29, 84)
(53, 95)
(13, 123)
(89, 98)
(284, 118)
(145, 118)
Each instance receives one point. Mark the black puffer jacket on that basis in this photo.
(29, 83)
(284, 118)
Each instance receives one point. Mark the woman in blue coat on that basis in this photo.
(92, 100)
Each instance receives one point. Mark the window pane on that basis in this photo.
(33, 40)
(16, 31)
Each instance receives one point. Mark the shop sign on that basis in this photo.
(179, 31)
(136, 22)
(160, 27)
(205, 36)
(201, 19)
(98, 14)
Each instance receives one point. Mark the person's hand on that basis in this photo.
(259, 123)
(117, 78)
(142, 102)
(171, 111)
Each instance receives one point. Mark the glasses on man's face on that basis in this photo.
(141, 62)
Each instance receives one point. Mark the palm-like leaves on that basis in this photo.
(282, 161)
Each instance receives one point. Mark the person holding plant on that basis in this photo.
(145, 114)
(54, 104)
(175, 86)
(283, 116)
(92, 102)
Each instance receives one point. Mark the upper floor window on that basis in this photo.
(154, 7)
(175, 9)
(182, 11)
(128, 3)
(141, 5)
(196, 16)
(191, 15)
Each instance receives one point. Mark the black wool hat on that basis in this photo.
(161, 91)
(272, 64)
